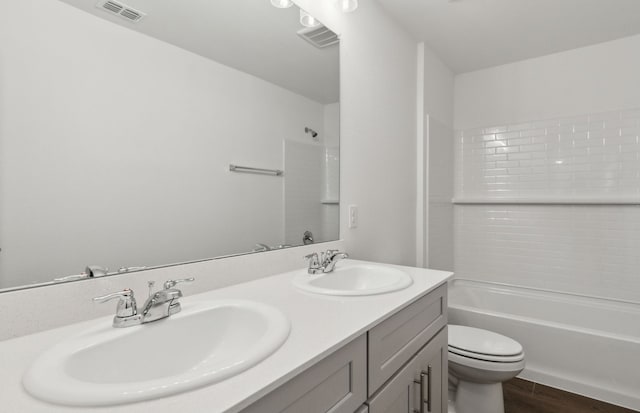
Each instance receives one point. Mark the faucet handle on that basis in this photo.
(172, 283)
(327, 255)
(126, 306)
(314, 261)
(315, 266)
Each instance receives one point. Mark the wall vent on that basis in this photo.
(120, 9)
(319, 36)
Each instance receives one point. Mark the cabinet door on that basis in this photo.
(393, 342)
(426, 371)
(433, 362)
(336, 384)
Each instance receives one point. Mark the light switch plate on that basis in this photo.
(353, 216)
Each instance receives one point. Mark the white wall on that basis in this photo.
(438, 156)
(378, 130)
(438, 88)
(131, 139)
(592, 79)
(563, 128)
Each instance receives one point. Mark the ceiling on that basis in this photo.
(473, 34)
(248, 35)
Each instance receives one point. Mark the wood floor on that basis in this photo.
(521, 396)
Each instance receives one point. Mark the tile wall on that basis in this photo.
(565, 244)
(597, 154)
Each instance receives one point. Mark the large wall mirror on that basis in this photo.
(119, 121)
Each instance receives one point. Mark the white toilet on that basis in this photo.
(479, 361)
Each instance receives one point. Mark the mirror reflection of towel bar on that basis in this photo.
(246, 169)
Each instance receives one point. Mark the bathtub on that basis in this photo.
(585, 345)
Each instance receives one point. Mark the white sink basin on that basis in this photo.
(354, 279)
(205, 343)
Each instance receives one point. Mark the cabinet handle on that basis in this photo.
(424, 374)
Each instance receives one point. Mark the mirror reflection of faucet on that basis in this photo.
(94, 271)
(261, 247)
(264, 247)
(159, 305)
(129, 269)
(307, 238)
(91, 271)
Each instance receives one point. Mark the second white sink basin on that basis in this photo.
(205, 343)
(354, 279)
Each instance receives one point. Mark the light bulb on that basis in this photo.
(282, 4)
(308, 20)
(348, 6)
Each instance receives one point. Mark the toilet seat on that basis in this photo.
(486, 357)
(483, 345)
(485, 366)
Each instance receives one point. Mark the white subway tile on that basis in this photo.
(507, 149)
(533, 148)
(495, 129)
(520, 141)
(506, 164)
(494, 144)
(574, 248)
(508, 135)
(497, 157)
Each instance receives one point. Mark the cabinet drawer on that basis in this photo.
(402, 393)
(336, 384)
(394, 341)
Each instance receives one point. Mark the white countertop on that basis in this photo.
(320, 324)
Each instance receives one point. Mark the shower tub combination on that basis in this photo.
(585, 345)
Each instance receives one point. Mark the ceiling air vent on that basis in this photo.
(131, 14)
(319, 36)
(112, 7)
(121, 10)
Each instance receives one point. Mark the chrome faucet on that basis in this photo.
(325, 262)
(331, 257)
(159, 305)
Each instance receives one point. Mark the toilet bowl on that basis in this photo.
(479, 361)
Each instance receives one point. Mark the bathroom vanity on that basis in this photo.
(394, 365)
(374, 353)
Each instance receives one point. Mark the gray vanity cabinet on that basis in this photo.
(380, 371)
(427, 369)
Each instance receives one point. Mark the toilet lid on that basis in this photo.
(481, 342)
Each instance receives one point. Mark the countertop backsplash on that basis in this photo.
(37, 309)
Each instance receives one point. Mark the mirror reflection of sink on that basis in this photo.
(355, 279)
(205, 343)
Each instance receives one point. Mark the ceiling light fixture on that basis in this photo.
(308, 20)
(282, 4)
(348, 6)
